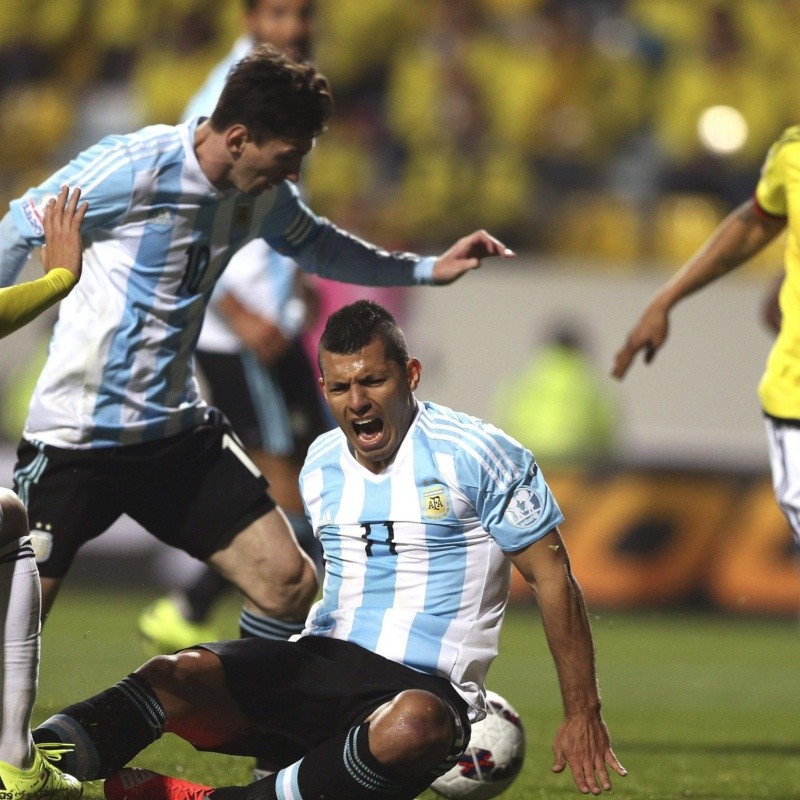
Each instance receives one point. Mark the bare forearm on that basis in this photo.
(582, 740)
(569, 637)
(738, 238)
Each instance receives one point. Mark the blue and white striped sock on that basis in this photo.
(251, 624)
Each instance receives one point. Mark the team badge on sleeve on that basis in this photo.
(524, 508)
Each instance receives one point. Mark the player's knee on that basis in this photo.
(304, 583)
(14, 517)
(419, 727)
(160, 673)
(287, 593)
(177, 675)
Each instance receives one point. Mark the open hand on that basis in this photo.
(63, 217)
(583, 743)
(465, 255)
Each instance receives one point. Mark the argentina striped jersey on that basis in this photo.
(414, 556)
(157, 236)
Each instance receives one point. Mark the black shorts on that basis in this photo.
(194, 491)
(228, 390)
(301, 693)
(277, 409)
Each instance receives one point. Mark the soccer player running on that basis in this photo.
(116, 423)
(421, 512)
(250, 353)
(745, 232)
(27, 771)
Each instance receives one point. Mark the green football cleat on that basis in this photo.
(43, 781)
(166, 630)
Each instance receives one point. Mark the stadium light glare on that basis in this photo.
(722, 130)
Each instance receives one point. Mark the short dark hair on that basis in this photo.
(354, 326)
(274, 96)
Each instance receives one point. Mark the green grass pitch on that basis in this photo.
(699, 706)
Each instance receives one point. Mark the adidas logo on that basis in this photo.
(163, 217)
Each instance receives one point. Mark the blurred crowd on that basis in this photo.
(604, 129)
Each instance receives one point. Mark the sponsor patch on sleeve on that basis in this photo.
(34, 213)
(524, 508)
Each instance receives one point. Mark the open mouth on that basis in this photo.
(368, 431)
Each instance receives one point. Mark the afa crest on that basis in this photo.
(435, 502)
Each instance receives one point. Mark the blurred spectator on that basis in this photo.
(356, 40)
(109, 103)
(715, 115)
(172, 69)
(437, 107)
(520, 113)
(559, 405)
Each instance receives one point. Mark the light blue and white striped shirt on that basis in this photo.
(157, 237)
(256, 273)
(414, 556)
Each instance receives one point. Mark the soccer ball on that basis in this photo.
(493, 758)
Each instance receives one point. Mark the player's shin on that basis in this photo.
(341, 768)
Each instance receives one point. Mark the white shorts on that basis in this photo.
(784, 457)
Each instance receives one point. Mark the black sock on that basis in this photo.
(341, 768)
(203, 593)
(108, 730)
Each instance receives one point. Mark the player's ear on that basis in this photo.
(235, 137)
(413, 372)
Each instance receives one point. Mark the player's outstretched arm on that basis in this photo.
(465, 255)
(742, 234)
(582, 740)
(62, 259)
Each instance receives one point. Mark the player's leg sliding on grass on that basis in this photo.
(336, 720)
(26, 771)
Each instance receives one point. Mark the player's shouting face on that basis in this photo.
(371, 398)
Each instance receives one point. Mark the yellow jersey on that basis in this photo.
(778, 195)
(21, 303)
